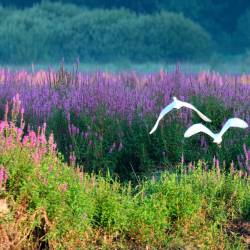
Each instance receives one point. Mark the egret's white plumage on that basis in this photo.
(177, 104)
(233, 122)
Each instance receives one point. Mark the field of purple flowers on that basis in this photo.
(102, 120)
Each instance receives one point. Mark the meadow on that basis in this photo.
(79, 169)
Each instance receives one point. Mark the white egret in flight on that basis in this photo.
(231, 123)
(177, 104)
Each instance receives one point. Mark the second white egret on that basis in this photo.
(197, 128)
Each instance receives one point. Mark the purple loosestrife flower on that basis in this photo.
(3, 177)
(72, 159)
(16, 107)
(63, 187)
(190, 167)
(85, 135)
(245, 151)
(202, 140)
(240, 162)
(9, 141)
(41, 139)
(205, 167)
(19, 133)
(52, 144)
(217, 164)
(247, 157)
(111, 149)
(245, 175)
(214, 161)
(2, 126)
(240, 173)
(25, 140)
(232, 169)
(6, 112)
(81, 176)
(68, 117)
(50, 168)
(22, 123)
(32, 138)
(120, 146)
(37, 156)
(182, 159)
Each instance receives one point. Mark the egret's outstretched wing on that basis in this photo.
(163, 112)
(202, 116)
(197, 128)
(233, 122)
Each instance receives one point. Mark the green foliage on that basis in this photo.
(54, 204)
(107, 143)
(158, 213)
(104, 143)
(52, 31)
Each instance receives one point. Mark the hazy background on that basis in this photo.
(152, 33)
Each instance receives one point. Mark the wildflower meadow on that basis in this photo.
(79, 170)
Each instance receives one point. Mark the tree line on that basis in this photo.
(221, 26)
(220, 18)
